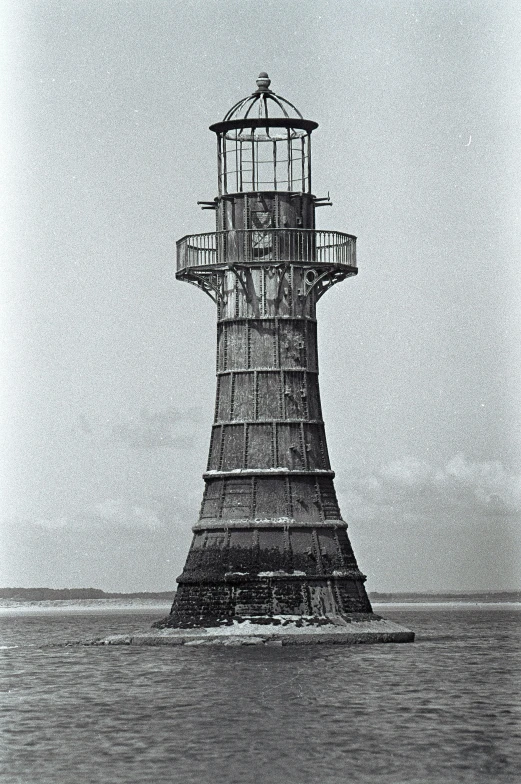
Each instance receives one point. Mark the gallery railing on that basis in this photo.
(266, 245)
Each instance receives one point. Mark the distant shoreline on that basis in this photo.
(68, 594)
(11, 598)
(24, 606)
(483, 597)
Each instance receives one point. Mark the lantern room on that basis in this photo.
(264, 144)
(264, 164)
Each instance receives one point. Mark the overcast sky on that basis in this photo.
(110, 361)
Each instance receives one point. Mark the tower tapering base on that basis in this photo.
(245, 572)
(285, 586)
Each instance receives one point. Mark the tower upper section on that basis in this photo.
(264, 144)
(265, 244)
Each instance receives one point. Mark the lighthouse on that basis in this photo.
(270, 547)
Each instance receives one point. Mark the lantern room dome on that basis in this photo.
(263, 104)
(263, 108)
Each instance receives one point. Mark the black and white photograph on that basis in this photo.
(264, 528)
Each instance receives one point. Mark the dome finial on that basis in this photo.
(263, 82)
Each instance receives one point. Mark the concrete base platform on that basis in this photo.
(282, 630)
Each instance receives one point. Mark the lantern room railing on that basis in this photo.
(306, 246)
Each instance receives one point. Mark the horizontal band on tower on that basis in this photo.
(347, 575)
(279, 317)
(269, 421)
(260, 369)
(212, 523)
(268, 472)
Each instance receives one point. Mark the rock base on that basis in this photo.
(282, 630)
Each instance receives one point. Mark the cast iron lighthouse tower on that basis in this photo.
(270, 539)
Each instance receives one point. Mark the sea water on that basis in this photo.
(445, 709)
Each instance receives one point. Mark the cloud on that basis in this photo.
(153, 430)
(176, 510)
(125, 514)
(416, 489)
(112, 513)
(489, 484)
(107, 553)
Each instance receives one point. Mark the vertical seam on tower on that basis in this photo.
(217, 398)
(291, 296)
(232, 395)
(250, 499)
(221, 450)
(321, 447)
(289, 490)
(306, 394)
(276, 238)
(318, 554)
(225, 346)
(318, 495)
(341, 558)
(245, 445)
(323, 452)
(287, 493)
(275, 347)
(285, 548)
(220, 437)
(303, 447)
(247, 226)
(254, 496)
(305, 349)
(217, 368)
(222, 496)
(282, 396)
(315, 350)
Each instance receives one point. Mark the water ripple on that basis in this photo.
(444, 710)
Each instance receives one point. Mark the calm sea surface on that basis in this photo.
(443, 709)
